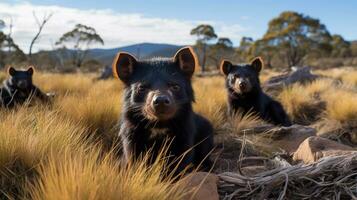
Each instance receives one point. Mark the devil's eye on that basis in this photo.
(175, 87)
(236, 75)
(233, 77)
(142, 88)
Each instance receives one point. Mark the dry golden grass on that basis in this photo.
(61, 151)
(27, 137)
(317, 87)
(240, 122)
(342, 106)
(98, 109)
(340, 98)
(64, 84)
(321, 98)
(86, 175)
(347, 75)
(329, 104)
(350, 78)
(211, 91)
(298, 103)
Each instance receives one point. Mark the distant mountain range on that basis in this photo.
(106, 56)
(140, 51)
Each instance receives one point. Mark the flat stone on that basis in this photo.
(289, 138)
(315, 148)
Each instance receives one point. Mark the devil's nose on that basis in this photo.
(242, 84)
(161, 100)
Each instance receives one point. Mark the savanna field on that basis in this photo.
(69, 149)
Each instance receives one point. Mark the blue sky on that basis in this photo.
(231, 18)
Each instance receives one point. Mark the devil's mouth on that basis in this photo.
(236, 93)
(22, 85)
(236, 90)
(160, 114)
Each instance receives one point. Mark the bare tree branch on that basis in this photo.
(41, 24)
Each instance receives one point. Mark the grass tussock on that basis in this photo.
(329, 104)
(321, 98)
(350, 78)
(342, 106)
(300, 104)
(62, 84)
(87, 175)
(241, 122)
(44, 155)
(27, 137)
(98, 109)
(346, 75)
(211, 100)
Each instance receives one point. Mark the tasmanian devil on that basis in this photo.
(18, 88)
(157, 110)
(245, 93)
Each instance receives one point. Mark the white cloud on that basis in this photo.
(117, 29)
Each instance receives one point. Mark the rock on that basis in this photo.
(200, 186)
(315, 148)
(298, 75)
(289, 138)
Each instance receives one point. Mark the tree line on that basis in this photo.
(72, 45)
(292, 39)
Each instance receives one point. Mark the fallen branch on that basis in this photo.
(332, 177)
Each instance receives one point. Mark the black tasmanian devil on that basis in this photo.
(158, 99)
(245, 93)
(18, 88)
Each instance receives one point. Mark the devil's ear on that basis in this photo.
(31, 70)
(123, 66)
(186, 60)
(226, 67)
(11, 71)
(257, 64)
